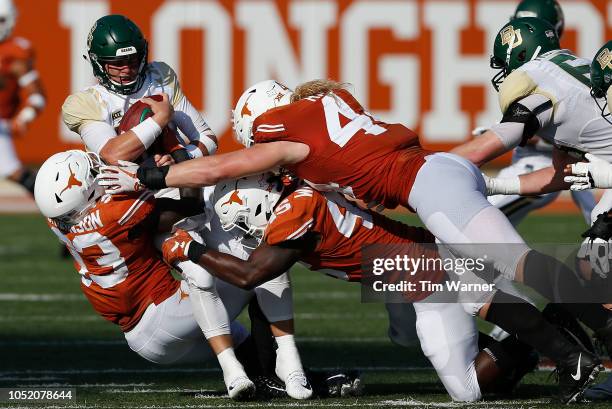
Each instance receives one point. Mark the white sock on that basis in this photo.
(287, 357)
(231, 367)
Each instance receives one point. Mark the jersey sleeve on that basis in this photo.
(169, 81)
(80, 109)
(128, 210)
(269, 126)
(293, 217)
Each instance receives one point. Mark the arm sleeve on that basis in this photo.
(523, 119)
(95, 134)
(194, 127)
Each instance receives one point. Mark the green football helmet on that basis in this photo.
(520, 41)
(548, 10)
(601, 78)
(117, 41)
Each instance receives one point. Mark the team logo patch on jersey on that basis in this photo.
(605, 59)
(116, 115)
(511, 36)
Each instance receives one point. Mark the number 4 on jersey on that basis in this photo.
(341, 135)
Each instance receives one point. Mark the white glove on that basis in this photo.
(120, 179)
(597, 253)
(502, 186)
(588, 175)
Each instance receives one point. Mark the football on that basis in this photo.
(166, 143)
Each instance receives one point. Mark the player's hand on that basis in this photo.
(163, 160)
(119, 179)
(175, 248)
(162, 110)
(596, 173)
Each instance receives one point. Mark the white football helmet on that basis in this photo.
(255, 101)
(8, 16)
(66, 186)
(247, 203)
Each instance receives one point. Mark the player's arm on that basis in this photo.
(33, 93)
(542, 181)
(265, 263)
(202, 140)
(208, 170)
(133, 143)
(521, 121)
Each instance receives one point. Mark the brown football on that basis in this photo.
(166, 143)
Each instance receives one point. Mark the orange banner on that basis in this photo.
(424, 63)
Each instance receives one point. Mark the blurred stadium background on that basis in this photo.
(424, 63)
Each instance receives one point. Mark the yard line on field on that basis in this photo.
(41, 297)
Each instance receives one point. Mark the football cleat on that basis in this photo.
(297, 386)
(575, 373)
(269, 387)
(241, 388)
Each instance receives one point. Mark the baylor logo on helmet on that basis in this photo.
(511, 36)
(604, 58)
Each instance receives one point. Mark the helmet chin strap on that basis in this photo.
(536, 53)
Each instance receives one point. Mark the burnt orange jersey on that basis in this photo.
(344, 230)
(11, 50)
(350, 151)
(121, 272)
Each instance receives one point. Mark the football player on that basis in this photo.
(328, 233)
(537, 152)
(122, 275)
(21, 96)
(323, 135)
(118, 54)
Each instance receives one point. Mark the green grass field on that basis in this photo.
(50, 336)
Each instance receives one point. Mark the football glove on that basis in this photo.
(175, 249)
(596, 173)
(120, 179)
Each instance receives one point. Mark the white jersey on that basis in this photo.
(95, 112)
(576, 124)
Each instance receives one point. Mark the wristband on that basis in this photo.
(147, 131)
(153, 178)
(504, 186)
(195, 251)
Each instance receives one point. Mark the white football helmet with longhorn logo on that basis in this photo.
(247, 203)
(255, 101)
(66, 187)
